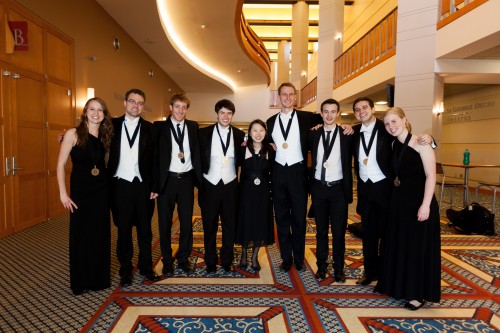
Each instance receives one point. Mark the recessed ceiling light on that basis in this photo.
(203, 26)
(381, 102)
(344, 114)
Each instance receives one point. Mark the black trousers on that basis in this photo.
(131, 206)
(373, 206)
(290, 206)
(330, 210)
(178, 191)
(219, 200)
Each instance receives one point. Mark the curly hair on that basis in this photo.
(105, 129)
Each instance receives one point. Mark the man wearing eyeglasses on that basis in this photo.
(131, 164)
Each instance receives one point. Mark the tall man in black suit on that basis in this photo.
(288, 130)
(372, 157)
(219, 146)
(131, 165)
(179, 170)
(331, 187)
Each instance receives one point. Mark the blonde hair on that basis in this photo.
(400, 113)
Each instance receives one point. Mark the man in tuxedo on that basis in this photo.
(131, 165)
(179, 170)
(372, 162)
(288, 131)
(331, 187)
(219, 144)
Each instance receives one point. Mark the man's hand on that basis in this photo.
(317, 127)
(424, 139)
(347, 129)
(60, 137)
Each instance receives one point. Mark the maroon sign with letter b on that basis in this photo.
(19, 31)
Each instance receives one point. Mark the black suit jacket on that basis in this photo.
(146, 150)
(306, 121)
(384, 148)
(314, 138)
(205, 138)
(163, 150)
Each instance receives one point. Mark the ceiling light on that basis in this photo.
(381, 103)
(203, 26)
(179, 45)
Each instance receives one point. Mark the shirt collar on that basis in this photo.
(174, 122)
(131, 121)
(368, 128)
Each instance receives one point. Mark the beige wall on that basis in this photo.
(114, 72)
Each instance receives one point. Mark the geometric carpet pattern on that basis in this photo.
(274, 301)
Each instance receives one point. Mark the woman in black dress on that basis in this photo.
(255, 219)
(412, 268)
(88, 202)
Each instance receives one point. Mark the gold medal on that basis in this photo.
(94, 171)
(284, 145)
(397, 182)
(325, 165)
(256, 181)
(180, 155)
(365, 161)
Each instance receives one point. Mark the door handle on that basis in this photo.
(14, 166)
(7, 166)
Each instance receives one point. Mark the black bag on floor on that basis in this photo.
(473, 219)
(356, 229)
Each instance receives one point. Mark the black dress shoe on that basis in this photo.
(227, 268)
(412, 307)
(151, 276)
(301, 267)
(321, 273)
(186, 267)
(285, 266)
(77, 291)
(126, 280)
(167, 269)
(366, 280)
(339, 277)
(255, 268)
(211, 268)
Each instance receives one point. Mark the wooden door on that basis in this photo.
(6, 218)
(28, 153)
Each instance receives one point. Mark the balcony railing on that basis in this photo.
(453, 9)
(309, 93)
(373, 48)
(254, 47)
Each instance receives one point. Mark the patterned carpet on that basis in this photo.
(35, 294)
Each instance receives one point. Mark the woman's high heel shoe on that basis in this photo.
(255, 259)
(243, 261)
(413, 307)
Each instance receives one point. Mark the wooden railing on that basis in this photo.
(452, 9)
(254, 47)
(373, 48)
(309, 93)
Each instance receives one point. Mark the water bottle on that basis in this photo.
(466, 157)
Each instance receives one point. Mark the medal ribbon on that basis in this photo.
(179, 137)
(134, 136)
(225, 147)
(285, 133)
(256, 162)
(398, 155)
(327, 147)
(372, 137)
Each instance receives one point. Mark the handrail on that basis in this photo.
(374, 47)
(253, 46)
(450, 10)
(309, 93)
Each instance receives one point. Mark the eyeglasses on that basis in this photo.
(134, 102)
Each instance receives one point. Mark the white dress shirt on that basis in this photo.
(128, 167)
(334, 169)
(371, 170)
(293, 153)
(175, 162)
(221, 167)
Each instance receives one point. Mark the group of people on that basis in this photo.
(167, 159)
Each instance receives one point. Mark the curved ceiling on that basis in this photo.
(206, 28)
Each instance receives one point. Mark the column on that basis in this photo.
(418, 90)
(331, 26)
(300, 41)
(283, 70)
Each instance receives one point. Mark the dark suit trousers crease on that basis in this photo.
(178, 191)
(219, 200)
(290, 208)
(373, 206)
(131, 206)
(330, 210)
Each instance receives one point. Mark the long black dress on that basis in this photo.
(412, 267)
(90, 230)
(255, 217)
